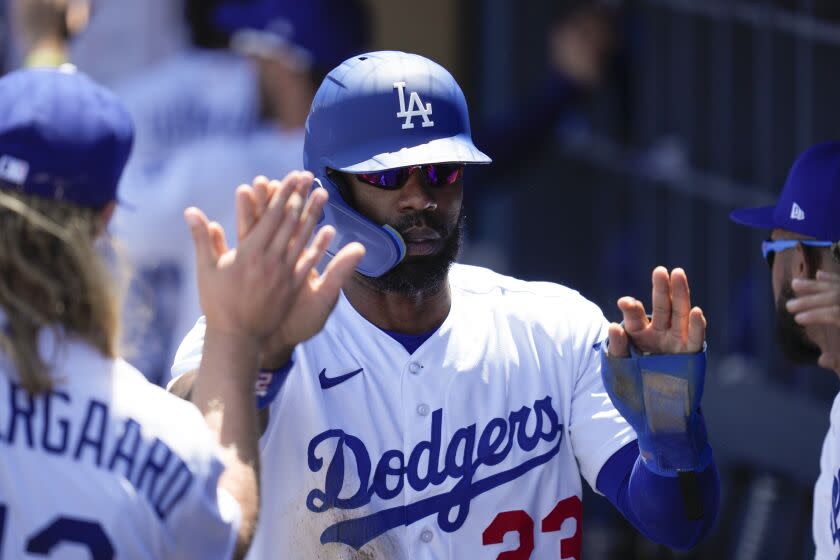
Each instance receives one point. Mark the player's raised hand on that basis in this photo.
(251, 289)
(317, 293)
(817, 307)
(674, 326)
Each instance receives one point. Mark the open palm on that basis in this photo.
(317, 293)
(674, 326)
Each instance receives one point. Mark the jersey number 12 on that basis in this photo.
(60, 530)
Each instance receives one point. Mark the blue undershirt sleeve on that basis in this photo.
(653, 504)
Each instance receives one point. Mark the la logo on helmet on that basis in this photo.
(415, 108)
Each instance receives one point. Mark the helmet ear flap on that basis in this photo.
(384, 246)
(340, 183)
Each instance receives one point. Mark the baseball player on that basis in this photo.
(96, 460)
(804, 269)
(189, 95)
(446, 411)
(277, 35)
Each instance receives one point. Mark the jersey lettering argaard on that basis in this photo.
(148, 465)
(109, 463)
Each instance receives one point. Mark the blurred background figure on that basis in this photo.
(186, 85)
(288, 46)
(127, 37)
(43, 29)
(580, 51)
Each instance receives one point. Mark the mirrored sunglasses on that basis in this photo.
(436, 174)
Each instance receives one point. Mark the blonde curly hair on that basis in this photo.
(52, 277)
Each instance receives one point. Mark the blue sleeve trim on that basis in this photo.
(654, 504)
(269, 383)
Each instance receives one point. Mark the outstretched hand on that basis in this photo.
(317, 293)
(817, 307)
(674, 327)
(252, 290)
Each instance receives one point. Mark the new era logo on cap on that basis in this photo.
(796, 213)
(812, 183)
(13, 170)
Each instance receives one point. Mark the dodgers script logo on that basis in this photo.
(415, 108)
(461, 460)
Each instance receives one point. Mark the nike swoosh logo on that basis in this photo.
(327, 382)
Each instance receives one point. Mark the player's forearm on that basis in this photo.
(224, 392)
(655, 504)
(278, 357)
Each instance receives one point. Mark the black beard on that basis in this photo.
(422, 275)
(790, 335)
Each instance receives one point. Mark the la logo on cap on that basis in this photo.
(796, 213)
(416, 108)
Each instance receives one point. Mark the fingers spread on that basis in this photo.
(262, 194)
(309, 219)
(217, 239)
(313, 255)
(661, 300)
(619, 345)
(283, 234)
(263, 233)
(305, 185)
(635, 319)
(680, 301)
(199, 228)
(341, 267)
(246, 210)
(696, 330)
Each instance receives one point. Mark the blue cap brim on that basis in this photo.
(457, 148)
(761, 217)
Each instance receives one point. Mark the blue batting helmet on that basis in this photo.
(377, 111)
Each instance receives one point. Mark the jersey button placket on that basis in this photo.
(417, 392)
(415, 426)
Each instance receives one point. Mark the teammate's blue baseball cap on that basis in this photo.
(62, 136)
(322, 33)
(810, 200)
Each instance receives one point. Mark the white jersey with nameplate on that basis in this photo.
(827, 492)
(107, 465)
(472, 446)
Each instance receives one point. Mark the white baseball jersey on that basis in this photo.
(188, 97)
(827, 492)
(472, 446)
(107, 466)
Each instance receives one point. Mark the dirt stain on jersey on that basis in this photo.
(306, 539)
